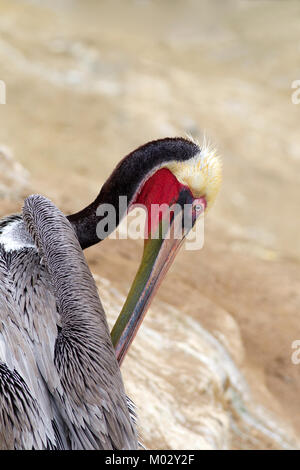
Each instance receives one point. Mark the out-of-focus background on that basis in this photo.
(87, 82)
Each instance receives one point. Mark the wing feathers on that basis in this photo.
(84, 356)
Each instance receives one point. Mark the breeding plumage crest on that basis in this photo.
(202, 173)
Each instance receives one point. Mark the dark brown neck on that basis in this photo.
(84, 224)
(126, 180)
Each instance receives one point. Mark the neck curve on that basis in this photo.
(126, 180)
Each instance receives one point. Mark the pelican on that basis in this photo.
(60, 381)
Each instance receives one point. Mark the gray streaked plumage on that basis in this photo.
(60, 383)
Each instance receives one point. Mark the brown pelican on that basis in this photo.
(60, 383)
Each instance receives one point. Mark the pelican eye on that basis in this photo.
(198, 207)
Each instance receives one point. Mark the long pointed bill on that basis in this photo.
(159, 252)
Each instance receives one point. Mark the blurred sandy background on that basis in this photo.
(87, 82)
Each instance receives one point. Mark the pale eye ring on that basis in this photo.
(199, 207)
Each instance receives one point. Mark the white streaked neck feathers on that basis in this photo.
(14, 237)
